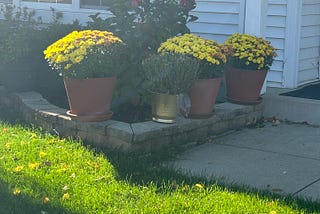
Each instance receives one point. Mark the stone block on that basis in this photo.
(219, 127)
(230, 110)
(120, 130)
(54, 112)
(97, 127)
(91, 137)
(138, 137)
(186, 124)
(64, 122)
(5, 100)
(29, 96)
(155, 145)
(194, 135)
(114, 143)
(151, 130)
(259, 107)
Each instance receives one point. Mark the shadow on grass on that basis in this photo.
(24, 204)
(140, 169)
(144, 169)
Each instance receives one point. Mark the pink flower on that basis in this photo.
(135, 3)
(183, 3)
(187, 4)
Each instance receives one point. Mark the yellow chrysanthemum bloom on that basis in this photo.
(211, 54)
(70, 53)
(250, 52)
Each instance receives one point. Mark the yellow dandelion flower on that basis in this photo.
(66, 196)
(200, 186)
(16, 191)
(33, 166)
(42, 154)
(18, 169)
(8, 145)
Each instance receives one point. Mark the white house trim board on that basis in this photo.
(292, 44)
(255, 18)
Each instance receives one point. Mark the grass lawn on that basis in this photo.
(40, 173)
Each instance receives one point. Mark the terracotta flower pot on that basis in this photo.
(90, 99)
(244, 86)
(203, 96)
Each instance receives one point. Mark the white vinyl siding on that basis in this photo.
(292, 26)
(310, 42)
(275, 32)
(218, 19)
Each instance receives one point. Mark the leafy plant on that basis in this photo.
(17, 30)
(86, 54)
(170, 73)
(143, 25)
(250, 52)
(211, 55)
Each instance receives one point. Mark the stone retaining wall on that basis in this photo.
(144, 136)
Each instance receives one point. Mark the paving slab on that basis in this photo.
(312, 191)
(292, 139)
(291, 108)
(282, 159)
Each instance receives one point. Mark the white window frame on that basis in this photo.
(75, 5)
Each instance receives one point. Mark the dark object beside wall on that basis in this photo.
(309, 92)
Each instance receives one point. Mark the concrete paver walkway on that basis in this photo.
(283, 159)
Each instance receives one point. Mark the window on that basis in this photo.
(93, 4)
(51, 1)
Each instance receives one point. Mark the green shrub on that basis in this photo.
(143, 25)
(170, 73)
(17, 31)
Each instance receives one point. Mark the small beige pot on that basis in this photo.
(164, 108)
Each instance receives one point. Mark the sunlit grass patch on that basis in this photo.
(42, 173)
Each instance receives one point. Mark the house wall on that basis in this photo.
(292, 26)
(309, 53)
(71, 12)
(275, 32)
(218, 19)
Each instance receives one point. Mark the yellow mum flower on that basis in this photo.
(251, 50)
(68, 52)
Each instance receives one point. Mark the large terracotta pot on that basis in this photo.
(244, 86)
(164, 107)
(90, 99)
(203, 96)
